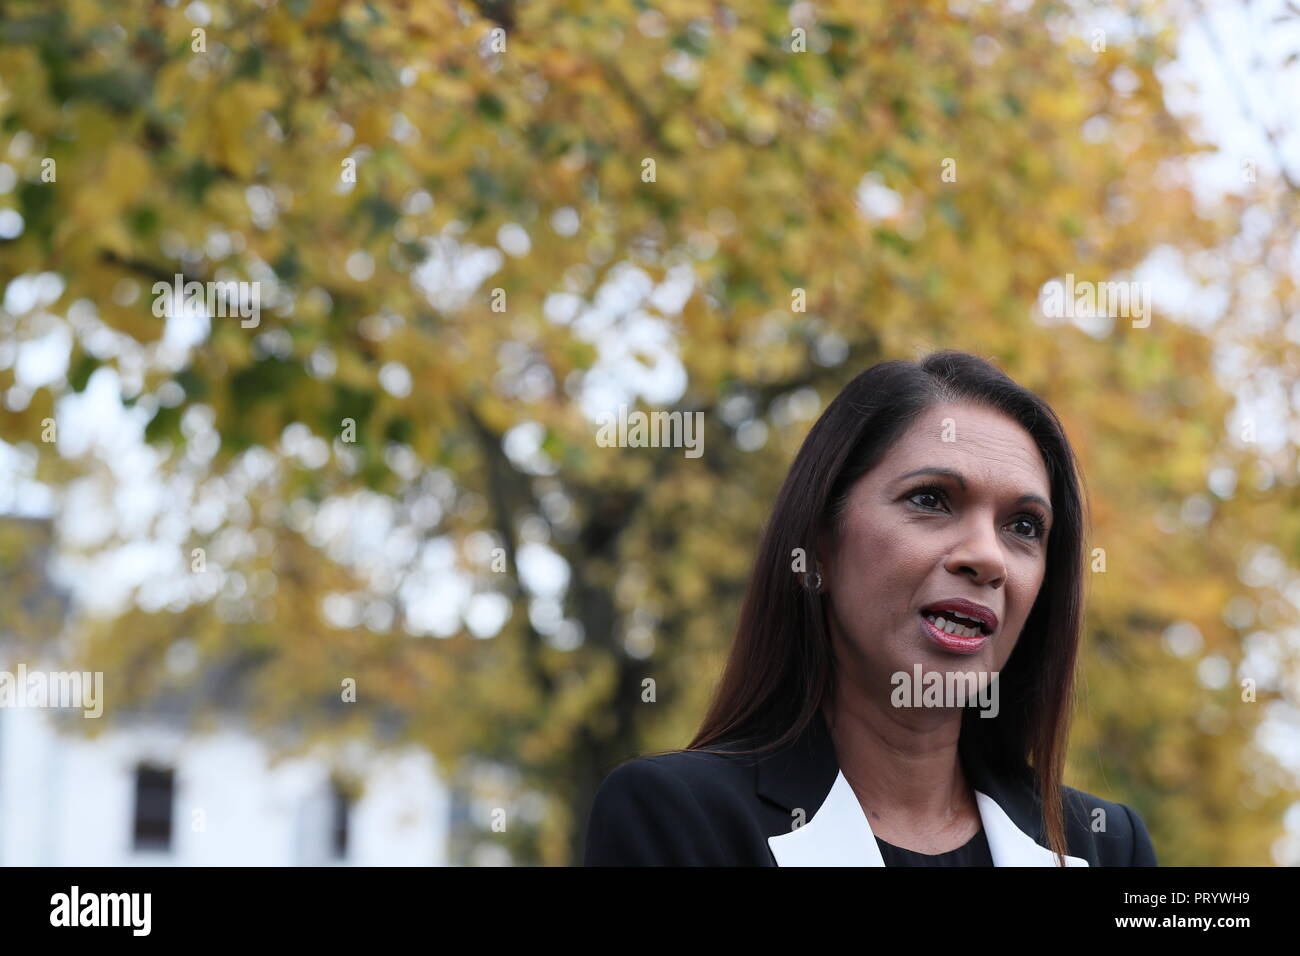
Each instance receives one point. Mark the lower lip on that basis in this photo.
(951, 642)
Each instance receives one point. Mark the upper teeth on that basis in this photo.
(952, 627)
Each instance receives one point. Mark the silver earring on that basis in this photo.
(816, 580)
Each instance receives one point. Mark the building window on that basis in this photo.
(340, 813)
(153, 808)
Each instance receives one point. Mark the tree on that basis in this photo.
(769, 199)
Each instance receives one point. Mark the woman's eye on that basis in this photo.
(926, 493)
(1035, 527)
(1035, 531)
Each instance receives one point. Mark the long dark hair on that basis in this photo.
(781, 668)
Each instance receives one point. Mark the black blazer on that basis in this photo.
(697, 809)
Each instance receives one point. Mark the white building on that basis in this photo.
(146, 794)
(149, 790)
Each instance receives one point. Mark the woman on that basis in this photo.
(930, 532)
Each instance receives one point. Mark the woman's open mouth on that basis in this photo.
(952, 636)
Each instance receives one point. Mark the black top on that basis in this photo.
(974, 852)
(694, 808)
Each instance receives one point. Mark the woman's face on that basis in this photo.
(943, 516)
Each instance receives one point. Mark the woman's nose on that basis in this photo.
(980, 553)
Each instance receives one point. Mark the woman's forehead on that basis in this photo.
(977, 445)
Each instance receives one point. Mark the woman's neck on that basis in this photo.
(906, 771)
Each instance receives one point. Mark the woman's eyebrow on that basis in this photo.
(961, 483)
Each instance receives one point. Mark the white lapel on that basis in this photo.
(1010, 845)
(839, 835)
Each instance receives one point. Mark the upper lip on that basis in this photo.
(978, 611)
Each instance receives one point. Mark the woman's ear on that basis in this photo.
(814, 581)
(814, 578)
(822, 561)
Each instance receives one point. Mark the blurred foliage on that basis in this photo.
(230, 164)
(32, 607)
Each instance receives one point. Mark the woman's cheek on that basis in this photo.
(852, 611)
